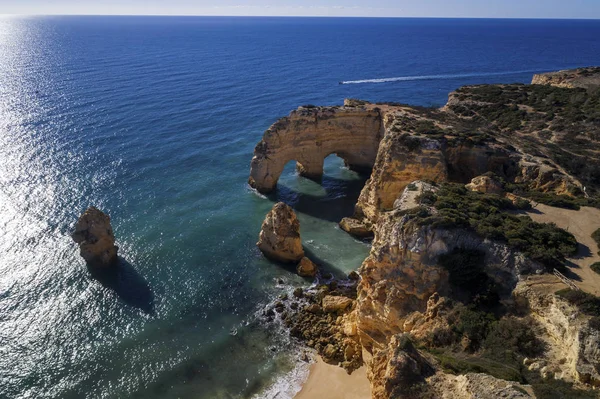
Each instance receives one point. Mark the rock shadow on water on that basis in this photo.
(131, 287)
(325, 268)
(339, 201)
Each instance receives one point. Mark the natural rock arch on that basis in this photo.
(309, 135)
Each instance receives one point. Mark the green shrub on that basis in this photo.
(473, 324)
(510, 336)
(596, 267)
(486, 215)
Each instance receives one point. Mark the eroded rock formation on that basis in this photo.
(576, 350)
(509, 130)
(401, 273)
(279, 237)
(486, 184)
(95, 237)
(310, 134)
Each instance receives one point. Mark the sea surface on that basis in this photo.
(154, 120)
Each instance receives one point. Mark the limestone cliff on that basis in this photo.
(582, 77)
(575, 343)
(536, 139)
(310, 134)
(402, 272)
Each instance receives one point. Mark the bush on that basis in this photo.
(466, 273)
(473, 324)
(512, 335)
(486, 215)
(596, 267)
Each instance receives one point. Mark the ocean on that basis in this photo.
(154, 121)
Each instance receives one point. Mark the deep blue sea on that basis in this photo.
(154, 120)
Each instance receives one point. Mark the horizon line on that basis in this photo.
(294, 16)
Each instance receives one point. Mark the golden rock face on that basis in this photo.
(309, 135)
(94, 234)
(279, 237)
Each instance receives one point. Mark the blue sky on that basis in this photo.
(372, 8)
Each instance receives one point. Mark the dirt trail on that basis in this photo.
(581, 224)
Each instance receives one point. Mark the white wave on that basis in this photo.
(288, 385)
(435, 77)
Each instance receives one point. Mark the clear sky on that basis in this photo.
(371, 8)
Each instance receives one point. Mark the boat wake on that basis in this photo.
(437, 77)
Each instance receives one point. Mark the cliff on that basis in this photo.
(443, 307)
(583, 78)
(310, 134)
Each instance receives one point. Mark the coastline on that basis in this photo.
(332, 382)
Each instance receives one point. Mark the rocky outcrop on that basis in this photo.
(395, 370)
(475, 386)
(576, 343)
(486, 184)
(586, 78)
(324, 319)
(356, 228)
(310, 134)
(333, 304)
(94, 234)
(279, 237)
(401, 272)
(306, 268)
(545, 178)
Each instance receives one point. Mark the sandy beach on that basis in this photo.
(332, 382)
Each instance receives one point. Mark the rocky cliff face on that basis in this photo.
(583, 77)
(511, 130)
(575, 353)
(310, 134)
(402, 272)
(95, 237)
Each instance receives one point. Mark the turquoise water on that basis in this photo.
(154, 121)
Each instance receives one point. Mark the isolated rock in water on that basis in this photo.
(95, 237)
(335, 303)
(279, 237)
(486, 184)
(306, 268)
(355, 227)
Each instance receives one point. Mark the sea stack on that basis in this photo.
(279, 237)
(95, 237)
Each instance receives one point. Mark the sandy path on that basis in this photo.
(332, 382)
(581, 224)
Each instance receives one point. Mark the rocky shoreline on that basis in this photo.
(455, 299)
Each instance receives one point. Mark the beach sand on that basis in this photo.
(332, 382)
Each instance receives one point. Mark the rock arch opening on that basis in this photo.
(309, 135)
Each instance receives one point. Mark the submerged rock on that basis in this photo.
(94, 234)
(279, 237)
